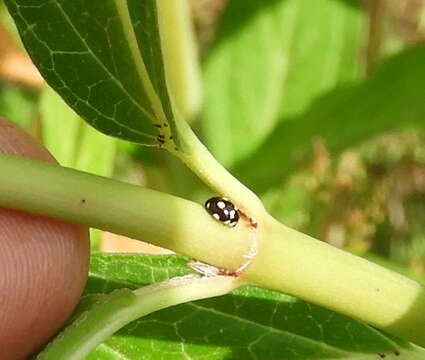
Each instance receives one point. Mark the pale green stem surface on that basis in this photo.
(179, 49)
(141, 213)
(124, 306)
(197, 157)
(312, 270)
(288, 261)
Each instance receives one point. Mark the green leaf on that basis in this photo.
(103, 58)
(82, 148)
(101, 316)
(17, 105)
(390, 99)
(326, 58)
(96, 152)
(58, 119)
(109, 272)
(250, 323)
(274, 58)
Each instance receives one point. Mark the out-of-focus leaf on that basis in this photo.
(392, 98)
(60, 128)
(99, 161)
(274, 58)
(17, 105)
(324, 51)
(249, 323)
(104, 59)
(291, 203)
(71, 140)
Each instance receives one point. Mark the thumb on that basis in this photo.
(43, 265)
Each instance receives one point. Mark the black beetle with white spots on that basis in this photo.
(222, 210)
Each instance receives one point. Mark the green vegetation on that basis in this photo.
(299, 99)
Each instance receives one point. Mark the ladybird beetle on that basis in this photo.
(222, 210)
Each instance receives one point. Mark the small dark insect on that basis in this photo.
(160, 140)
(222, 210)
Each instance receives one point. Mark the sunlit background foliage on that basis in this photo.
(267, 67)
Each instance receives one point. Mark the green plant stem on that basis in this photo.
(182, 72)
(179, 48)
(134, 211)
(197, 157)
(314, 271)
(288, 261)
(123, 306)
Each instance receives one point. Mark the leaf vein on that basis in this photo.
(276, 330)
(104, 68)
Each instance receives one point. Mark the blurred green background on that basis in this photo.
(318, 106)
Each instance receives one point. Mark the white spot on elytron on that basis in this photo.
(216, 216)
(226, 212)
(208, 205)
(227, 222)
(232, 213)
(221, 204)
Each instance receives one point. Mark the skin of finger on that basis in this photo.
(43, 265)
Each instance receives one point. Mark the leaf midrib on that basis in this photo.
(113, 78)
(129, 34)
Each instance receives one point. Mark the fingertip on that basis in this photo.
(15, 141)
(43, 264)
